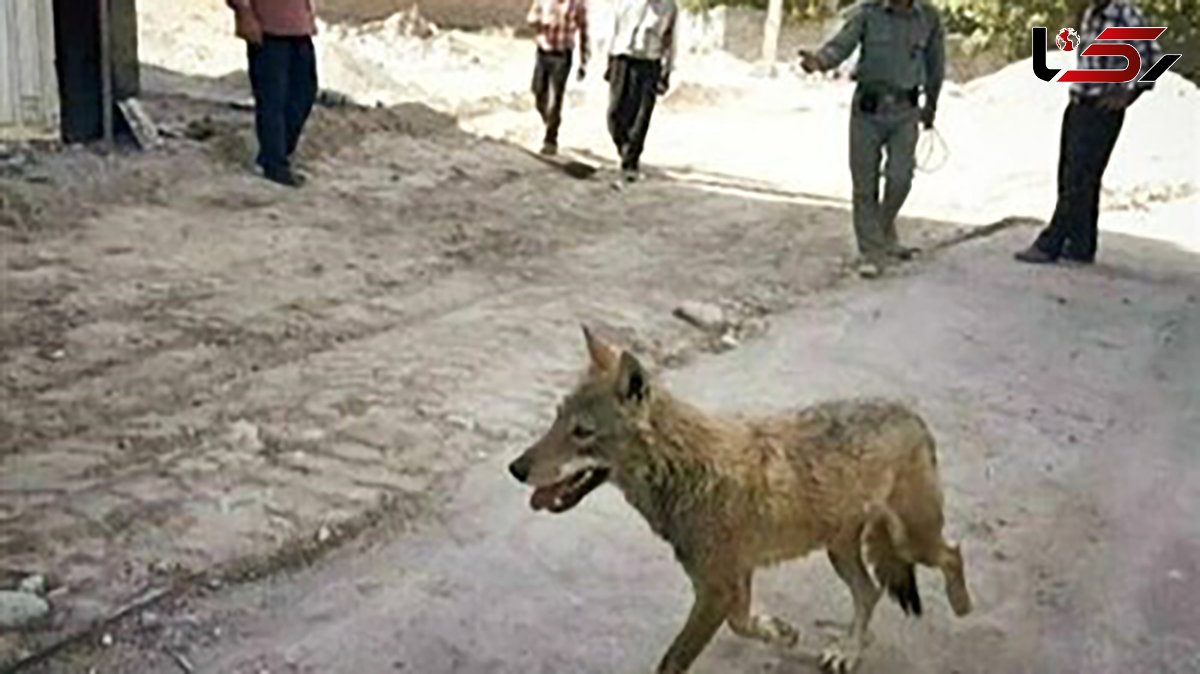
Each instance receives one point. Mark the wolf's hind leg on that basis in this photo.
(846, 556)
(949, 559)
(766, 628)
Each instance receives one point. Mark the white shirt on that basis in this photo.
(645, 29)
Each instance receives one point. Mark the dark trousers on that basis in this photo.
(633, 85)
(550, 75)
(1089, 134)
(283, 74)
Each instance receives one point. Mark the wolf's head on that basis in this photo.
(591, 432)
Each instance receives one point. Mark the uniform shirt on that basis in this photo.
(645, 29)
(557, 22)
(284, 18)
(901, 49)
(1119, 14)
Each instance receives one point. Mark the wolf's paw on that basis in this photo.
(776, 631)
(960, 599)
(841, 658)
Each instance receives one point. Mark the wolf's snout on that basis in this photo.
(520, 468)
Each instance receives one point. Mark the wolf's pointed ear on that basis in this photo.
(604, 358)
(633, 384)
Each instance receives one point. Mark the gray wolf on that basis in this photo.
(732, 494)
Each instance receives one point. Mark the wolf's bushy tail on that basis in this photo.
(894, 571)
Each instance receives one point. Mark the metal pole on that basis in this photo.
(106, 80)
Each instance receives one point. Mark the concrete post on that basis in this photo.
(771, 34)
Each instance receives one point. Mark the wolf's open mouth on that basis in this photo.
(566, 494)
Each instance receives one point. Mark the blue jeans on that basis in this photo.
(283, 74)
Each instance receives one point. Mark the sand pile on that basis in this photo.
(399, 59)
(1148, 164)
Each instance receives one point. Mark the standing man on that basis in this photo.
(1090, 127)
(640, 60)
(283, 74)
(903, 54)
(556, 22)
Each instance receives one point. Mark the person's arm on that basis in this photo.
(585, 44)
(534, 17)
(842, 44)
(668, 46)
(612, 41)
(247, 25)
(1118, 96)
(935, 69)
(1149, 50)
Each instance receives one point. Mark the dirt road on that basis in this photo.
(1066, 406)
(205, 374)
(207, 379)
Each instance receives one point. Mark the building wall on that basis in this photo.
(28, 84)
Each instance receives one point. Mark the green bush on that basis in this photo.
(1001, 27)
(1004, 26)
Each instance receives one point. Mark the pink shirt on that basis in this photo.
(285, 18)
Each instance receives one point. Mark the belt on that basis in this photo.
(872, 97)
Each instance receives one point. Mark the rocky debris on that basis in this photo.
(150, 620)
(181, 660)
(462, 422)
(14, 159)
(703, 315)
(22, 610)
(35, 585)
(245, 436)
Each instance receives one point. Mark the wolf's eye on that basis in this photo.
(582, 432)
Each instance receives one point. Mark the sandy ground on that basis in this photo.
(207, 379)
(208, 374)
(1065, 404)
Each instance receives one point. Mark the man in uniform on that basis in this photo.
(903, 55)
(556, 22)
(1091, 124)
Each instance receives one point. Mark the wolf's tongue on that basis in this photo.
(543, 497)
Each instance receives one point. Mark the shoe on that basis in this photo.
(904, 253)
(868, 270)
(630, 175)
(1035, 255)
(1078, 259)
(549, 149)
(285, 177)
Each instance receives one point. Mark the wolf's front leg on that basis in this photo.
(712, 605)
(767, 628)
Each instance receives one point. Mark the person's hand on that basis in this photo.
(581, 73)
(810, 62)
(663, 85)
(247, 26)
(927, 118)
(608, 68)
